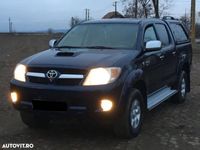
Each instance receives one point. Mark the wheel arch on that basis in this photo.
(134, 80)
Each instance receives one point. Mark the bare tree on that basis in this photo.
(156, 7)
(161, 7)
(146, 6)
(164, 7)
(130, 9)
(186, 21)
(137, 8)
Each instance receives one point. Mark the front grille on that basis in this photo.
(57, 81)
(70, 82)
(39, 80)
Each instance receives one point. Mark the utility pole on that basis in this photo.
(9, 25)
(115, 5)
(88, 17)
(136, 8)
(87, 14)
(193, 20)
(185, 19)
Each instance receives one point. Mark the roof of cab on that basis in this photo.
(123, 20)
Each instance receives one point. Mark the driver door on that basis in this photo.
(153, 64)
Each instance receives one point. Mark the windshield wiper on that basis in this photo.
(100, 47)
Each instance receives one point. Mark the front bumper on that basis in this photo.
(79, 100)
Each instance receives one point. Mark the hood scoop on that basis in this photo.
(65, 54)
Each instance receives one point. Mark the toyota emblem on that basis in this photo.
(52, 74)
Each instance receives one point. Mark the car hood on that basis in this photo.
(83, 58)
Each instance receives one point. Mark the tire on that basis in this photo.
(34, 121)
(182, 86)
(129, 124)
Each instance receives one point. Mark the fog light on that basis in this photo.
(106, 105)
(14, 97)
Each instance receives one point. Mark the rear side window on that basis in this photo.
(149, 34)
(178, 32)
(163, 34)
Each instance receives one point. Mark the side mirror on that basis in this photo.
(153, 45)
(52, 43)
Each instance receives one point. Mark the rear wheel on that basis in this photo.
(180, 97)
(129, 124)
(34, 121)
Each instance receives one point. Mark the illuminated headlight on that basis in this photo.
(20, 73)
(102, 76)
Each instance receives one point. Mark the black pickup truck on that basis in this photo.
(110, 70)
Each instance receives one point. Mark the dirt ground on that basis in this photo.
(167, 127)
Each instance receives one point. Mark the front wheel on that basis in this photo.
(130, 123)
(180, 97)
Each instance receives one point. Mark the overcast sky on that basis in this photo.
(36, 15)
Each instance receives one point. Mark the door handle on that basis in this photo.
(174, 53)
(146, 63)
(162, 57)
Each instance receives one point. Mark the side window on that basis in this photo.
(163, 34)
(149, 34)
(178, 32)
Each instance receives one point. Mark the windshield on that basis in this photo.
(116, 36)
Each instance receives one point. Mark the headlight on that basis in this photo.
(20, 73)
(102, 76)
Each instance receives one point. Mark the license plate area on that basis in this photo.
(49, 106)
